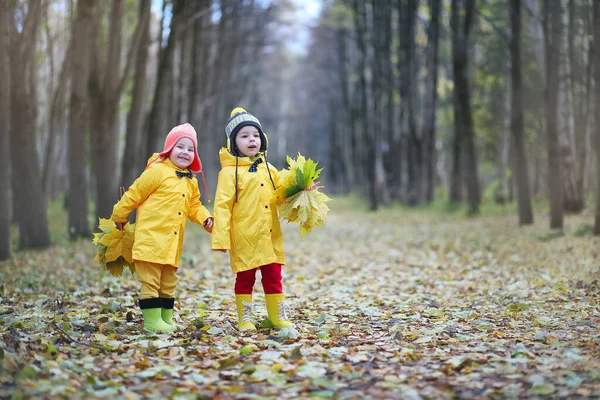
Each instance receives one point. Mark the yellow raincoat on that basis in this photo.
(250, 228)
(164, 201)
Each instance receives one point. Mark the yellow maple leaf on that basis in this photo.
(114, 247)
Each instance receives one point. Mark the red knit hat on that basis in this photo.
(185, 131)
(179, 132)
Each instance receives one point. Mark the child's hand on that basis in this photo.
(315, 186)
(208, 224)
(119, 225)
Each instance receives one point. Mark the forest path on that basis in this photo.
(393, 304)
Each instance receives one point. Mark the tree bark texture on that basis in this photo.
(29, 202)
(596, 44)
(552, 37)
(408, 88)
(520, 174)
(78, 145)
(159, 122)
(134, 158)
(369, 163)
(431, 101)
(5, 17)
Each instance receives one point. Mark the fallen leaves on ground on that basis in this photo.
(386, 305)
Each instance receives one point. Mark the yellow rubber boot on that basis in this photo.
(278, 310)
(244, 309)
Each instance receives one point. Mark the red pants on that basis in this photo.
(271, 280)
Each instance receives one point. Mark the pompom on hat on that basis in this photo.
(237, 120)
(179, 132)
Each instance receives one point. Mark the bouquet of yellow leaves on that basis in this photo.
(307, 207)
(114, 247)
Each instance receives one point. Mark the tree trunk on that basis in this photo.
(105, 86)
(348, 178)
(104, 109)
(5, 17)
(77, 196)
(370, 162)
(520, 174)
(29, 201)
(572, 196)
(596, 44)
(456, 181)
(134, 156)
(159, 123)
(464, 141)
(552, 37)
(381, 43)
(408, 87)
(431, 99)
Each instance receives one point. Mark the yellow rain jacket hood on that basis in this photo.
(248, 228)
(164, 201)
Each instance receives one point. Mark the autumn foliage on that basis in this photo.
(114, 247)
(305, 207)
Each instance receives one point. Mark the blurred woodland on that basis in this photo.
(403, 101)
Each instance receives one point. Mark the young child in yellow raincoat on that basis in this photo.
(165, 195)
(246, 218)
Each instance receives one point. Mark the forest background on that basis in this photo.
(460, 142)
(407, 102)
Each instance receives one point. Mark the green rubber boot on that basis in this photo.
(167, 317)
(167, 311)
(153, 321)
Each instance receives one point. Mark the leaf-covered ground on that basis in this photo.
(388, 305)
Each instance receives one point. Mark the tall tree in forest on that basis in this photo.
(133, 161)
(29, 202)
(346, 132)
(105, 87)
(369, 138)
(408, 91)
(520, 174)
(381, 40)
(596, 52)
(552, 22)
(4, 131)
(465, 158)
(428, 124)
(78, 224)
(158, 122)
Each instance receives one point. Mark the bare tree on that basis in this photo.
(77, 195)
(133, 161)
(408, 91)
(431, 100)
(552, 36)
(158, 123)
(4, 131)
(29, 202)
(466, 160)
(596, 44)
(520, 162)
(105, 88)
(366, 117)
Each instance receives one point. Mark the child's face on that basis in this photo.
(247, 141)
(182, 153)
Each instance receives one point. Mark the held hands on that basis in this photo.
(315, 186)
(208, 224)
